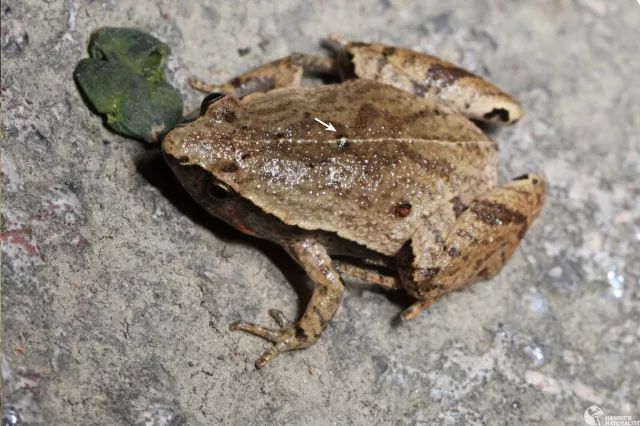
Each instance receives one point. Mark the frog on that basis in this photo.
(400, 193)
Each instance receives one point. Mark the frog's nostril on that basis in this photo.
(211, 97)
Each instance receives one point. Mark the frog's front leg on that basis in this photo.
(476, 246)
(324, 303)
(284, 72)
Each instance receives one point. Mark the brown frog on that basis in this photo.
(403, 194)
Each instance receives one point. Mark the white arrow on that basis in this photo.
(329, 126)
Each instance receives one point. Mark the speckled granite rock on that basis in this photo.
(117, 289)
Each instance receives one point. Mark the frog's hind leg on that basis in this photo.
(477, 245)
(284, 72)
(323, 305)
(426, 76)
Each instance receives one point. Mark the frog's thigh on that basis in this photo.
(324, 303)
(431, 77)
(284, 72)
(480, 241)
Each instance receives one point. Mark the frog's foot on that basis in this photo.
(322, 307)
(288, 337)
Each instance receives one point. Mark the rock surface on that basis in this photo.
(117, 289)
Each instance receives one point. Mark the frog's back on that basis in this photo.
(393, 158)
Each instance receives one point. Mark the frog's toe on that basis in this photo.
(284, 339)
(291, 338)
(267, 333)
(257, 330)
(412, 311)
(270, 354)
(280, 318)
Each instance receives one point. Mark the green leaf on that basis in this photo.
(123, 80)
(132, 105)
(141, 52)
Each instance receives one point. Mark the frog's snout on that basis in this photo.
(171, 147)
(166, 144)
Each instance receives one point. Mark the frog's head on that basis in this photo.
(201, 155)
(206, 140)
(199, 137)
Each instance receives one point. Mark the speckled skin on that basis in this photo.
(405, 182)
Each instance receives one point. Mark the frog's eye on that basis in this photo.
(220, 190)
(211, 97)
